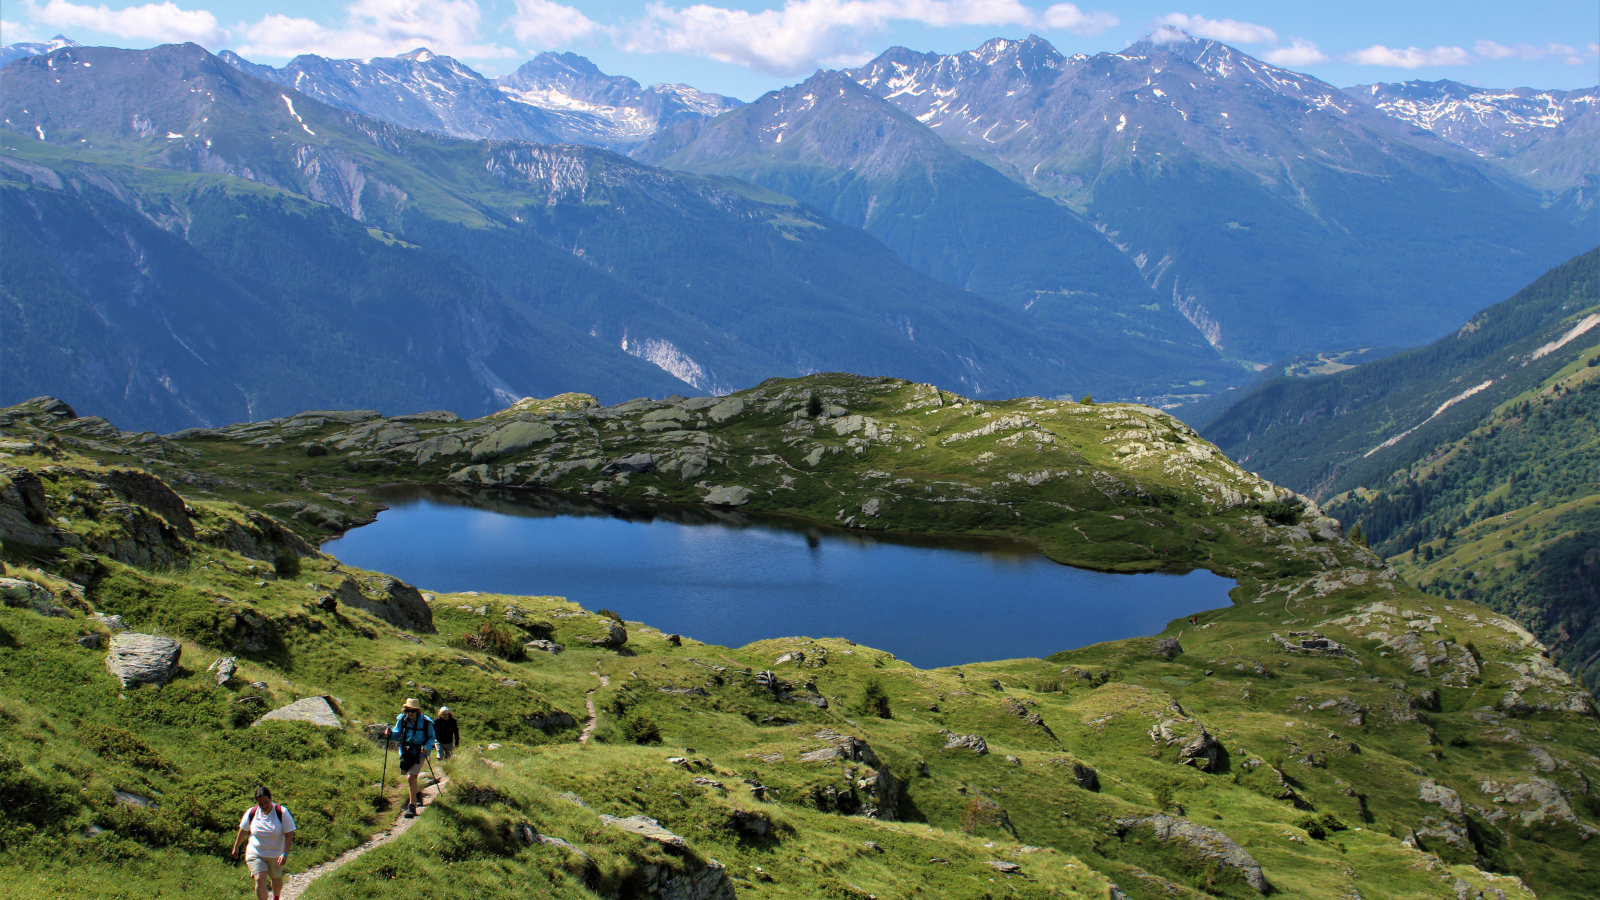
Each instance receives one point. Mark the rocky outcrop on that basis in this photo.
(647, 828)
(1208, 842)
(391, 600)
(19, 594)
(143, 658)
(511, 438)
(223, 669)
(971, 742)
(734, 495)
(258, 537)
(1196, 746)
(316, 710)
(1445, 798)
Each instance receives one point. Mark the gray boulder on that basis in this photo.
(224, 669)
(647, 828)
(316, 710)
(19, 594)
(1431, 791)
(1208, 842)
(510, 438)
(143, 658)
(112, 624)
(633, 462)
(971, 742)
(391, 600)
(727, 409)
(728, 496)
(544, 646)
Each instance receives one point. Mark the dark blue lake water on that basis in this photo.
(731, 579)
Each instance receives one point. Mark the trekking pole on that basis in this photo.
(434, 776)
(385, 763)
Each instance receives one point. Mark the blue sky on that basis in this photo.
(746, 47)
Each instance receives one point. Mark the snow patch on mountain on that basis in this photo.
(667, 356)
(1442, 407)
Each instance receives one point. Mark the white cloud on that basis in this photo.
(16, 33)
(1066, 17)
(377, 28)
(164, 22)
(543, 23)
(1229, 31)
(1409, 58)
(1300, 52)
(805, 34)
(1492, 50)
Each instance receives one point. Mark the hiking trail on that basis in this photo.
(588, 703)
(296, 883)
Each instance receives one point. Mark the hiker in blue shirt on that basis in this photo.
(413, 732)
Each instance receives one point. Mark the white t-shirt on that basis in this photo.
(266, 833)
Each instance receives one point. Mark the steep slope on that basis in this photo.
(1325, 435)
(1491, 122)
(1275, 211)
(262, 302)
(829, 143)
(1546, 137)
(420, 91)
(624, 112)
(9, 52)
(1474, 464)
(1388, 751)
(714, 281)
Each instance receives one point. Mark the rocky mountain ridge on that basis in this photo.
(709, 280)
(1254, 163)
(1491, 122)
(553, 98)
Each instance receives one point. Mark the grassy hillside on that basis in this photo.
(1351, 734)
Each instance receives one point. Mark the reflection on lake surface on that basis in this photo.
(729, 578)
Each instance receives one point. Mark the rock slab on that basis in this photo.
(1209, 842)
(143, 658)
(316, 710)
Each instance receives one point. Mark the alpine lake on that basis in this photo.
(730, 578)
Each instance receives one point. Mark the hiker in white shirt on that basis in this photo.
(270, 830)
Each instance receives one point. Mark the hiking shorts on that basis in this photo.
(414, 769)
(268, 866)
(446, 751)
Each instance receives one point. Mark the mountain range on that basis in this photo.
(1266, 212)
(1274, 211)
(553, 98)
(1151, 223)
(668, 282)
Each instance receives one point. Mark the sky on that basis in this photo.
(744, 48)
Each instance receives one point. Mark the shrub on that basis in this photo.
(814, 406)
(874, 700)
(612, 616)
(493, 638)
(1280, 512)
(120, 744)
(638, 728)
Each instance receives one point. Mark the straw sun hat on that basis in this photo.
(411, 703)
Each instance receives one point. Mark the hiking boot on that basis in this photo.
(411, 810)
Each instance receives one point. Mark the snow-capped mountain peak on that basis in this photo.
(1491, 122)
(10, 52)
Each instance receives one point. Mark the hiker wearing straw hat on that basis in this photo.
(413, 732)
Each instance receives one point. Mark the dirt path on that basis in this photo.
(297, 883)
(588, 703)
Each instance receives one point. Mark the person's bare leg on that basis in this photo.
(416, 795)
(277, 887)
(261, 887)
